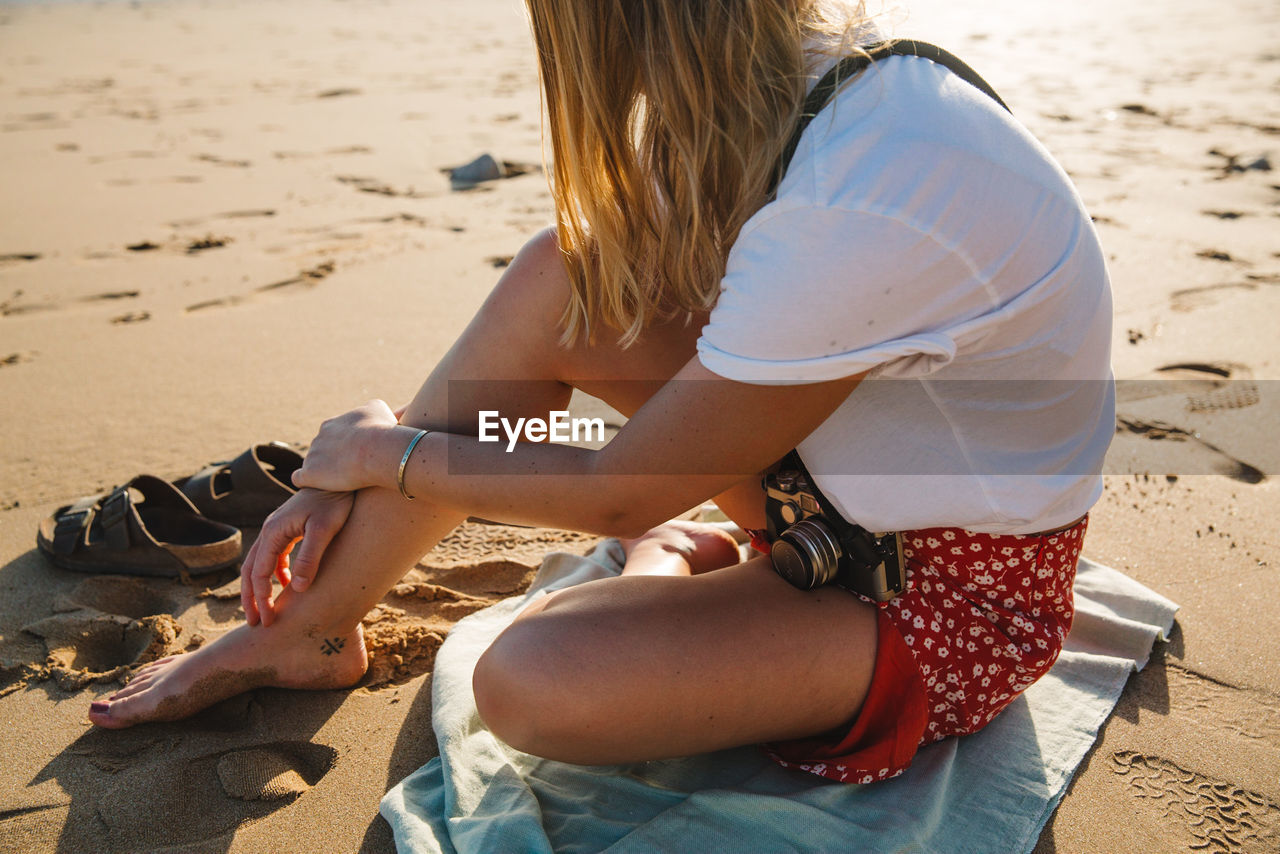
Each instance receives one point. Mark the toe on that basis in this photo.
(105, 714)
(130, 689)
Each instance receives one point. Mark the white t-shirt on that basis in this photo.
(923, 234)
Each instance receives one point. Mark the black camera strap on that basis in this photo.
(852, 66)
(818, 98)
(865, 546)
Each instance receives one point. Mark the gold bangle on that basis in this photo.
(404, 462)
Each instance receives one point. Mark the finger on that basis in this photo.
(251, 615)
(307, 563)
(400, 411)
(267, 567)
(260, 582)
(282, 570)
(274, 541)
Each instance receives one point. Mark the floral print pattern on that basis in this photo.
(984, 616)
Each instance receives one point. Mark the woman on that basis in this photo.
(920, 236)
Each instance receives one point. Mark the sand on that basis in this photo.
(223, 222)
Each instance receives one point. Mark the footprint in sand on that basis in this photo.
(1215, 255)
(305, 279)
(17, 358)
(221, 161)
(1217, 705)
(133, 796)
(110, 295)
(245, 214)
(400, 217)
(1189, 299)
(209, 241)
(379, 188)
(274, 772)
(7, 308)
(115, 594)
(1208, 386)
(221, 302)
(1216, 814)
(87, 647)
(1173, 391)
(1200, 456)
(18, 258)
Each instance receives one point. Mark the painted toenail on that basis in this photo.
(99, 707)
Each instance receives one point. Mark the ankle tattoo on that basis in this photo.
(333, 646)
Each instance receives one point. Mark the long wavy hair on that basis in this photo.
(667, 119)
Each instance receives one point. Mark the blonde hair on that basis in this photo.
(667, 119)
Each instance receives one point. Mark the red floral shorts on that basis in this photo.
(983, 617)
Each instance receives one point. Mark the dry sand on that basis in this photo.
(222, 222)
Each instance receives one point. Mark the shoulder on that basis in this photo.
(916, 218)
(906, 121)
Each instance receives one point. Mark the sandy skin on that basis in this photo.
(245, 658)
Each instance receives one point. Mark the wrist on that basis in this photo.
(383, 461)
(402, 469)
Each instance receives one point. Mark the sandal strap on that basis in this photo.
(199, 488)
(249, 471)
(71, 525)
(111, 512)
(244, 489)
(115, 515)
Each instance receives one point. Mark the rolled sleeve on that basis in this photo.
(818, 293)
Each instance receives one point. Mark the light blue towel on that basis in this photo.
(992, 791)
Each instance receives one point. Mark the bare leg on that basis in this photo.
(644, 667)
(513, 337)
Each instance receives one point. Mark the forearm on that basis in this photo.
(547, 484)
(689, 442)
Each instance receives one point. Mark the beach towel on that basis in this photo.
(991, 791)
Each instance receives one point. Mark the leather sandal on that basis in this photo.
(244, 491)
(161, 535)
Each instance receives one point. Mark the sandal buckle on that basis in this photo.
(115, 509)
(69, 529)
(71, 520)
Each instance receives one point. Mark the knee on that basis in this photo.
(519, 693)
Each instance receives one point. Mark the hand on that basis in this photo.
(355, 450)
(312, 516)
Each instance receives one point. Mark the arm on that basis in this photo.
(699, 435)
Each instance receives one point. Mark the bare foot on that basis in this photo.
(680, 548)
(246, 657)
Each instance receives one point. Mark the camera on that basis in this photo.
(813, 545)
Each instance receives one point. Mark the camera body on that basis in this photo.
(812, 547)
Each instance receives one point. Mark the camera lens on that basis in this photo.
(806, 554)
